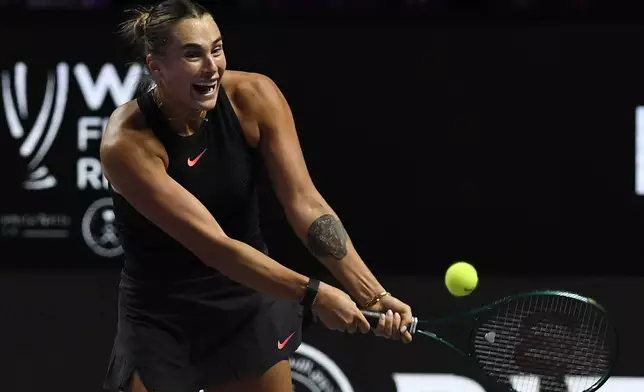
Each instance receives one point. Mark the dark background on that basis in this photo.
(481, 131)
(506, 144)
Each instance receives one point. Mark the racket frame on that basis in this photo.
(420, 326)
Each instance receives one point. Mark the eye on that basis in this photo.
(192, 55)
(217, 50)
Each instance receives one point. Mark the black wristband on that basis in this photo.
(311, 292)
(307, 302)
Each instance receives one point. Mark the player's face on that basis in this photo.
(191, 71)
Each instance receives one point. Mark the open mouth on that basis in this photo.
(207, 88)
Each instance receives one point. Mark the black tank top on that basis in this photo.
(218, 167)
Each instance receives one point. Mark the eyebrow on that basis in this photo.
(197, 46)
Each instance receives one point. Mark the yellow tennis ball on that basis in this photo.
(461, 279)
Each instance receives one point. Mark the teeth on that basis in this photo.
(207, 88)
(207, 84)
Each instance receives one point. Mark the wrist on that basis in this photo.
(373, 301)
(311, 292)
(308, 300)
(359, 282)
(366, 291)
(300, 283)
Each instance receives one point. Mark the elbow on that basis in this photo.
(217, 244)
(303, 211)
(214, 250)
(305, 205)
(210, 244)
(218, 240)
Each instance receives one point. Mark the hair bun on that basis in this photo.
(141, 24)
(148, 28)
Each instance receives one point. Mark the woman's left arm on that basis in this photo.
(310, 216)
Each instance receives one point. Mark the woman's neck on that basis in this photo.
(183, 120)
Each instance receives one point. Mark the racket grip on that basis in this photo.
(374, 317)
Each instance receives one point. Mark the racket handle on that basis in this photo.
(374, 317)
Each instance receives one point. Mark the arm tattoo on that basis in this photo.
(327, 237)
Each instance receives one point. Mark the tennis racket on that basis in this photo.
(541, 341)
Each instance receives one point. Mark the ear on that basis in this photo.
(153, 66)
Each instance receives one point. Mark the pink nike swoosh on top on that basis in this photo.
(281, 345)
(192, 162)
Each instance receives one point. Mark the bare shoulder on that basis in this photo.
(127, 135)
(245, 82)
(256, 100)
(251, 91)
(125, 122)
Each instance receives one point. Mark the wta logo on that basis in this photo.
(36, 142)
(89, 122)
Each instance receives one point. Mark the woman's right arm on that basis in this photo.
(139, 175)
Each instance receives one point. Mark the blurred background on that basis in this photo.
(501, 132)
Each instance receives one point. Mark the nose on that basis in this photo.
(210, 66)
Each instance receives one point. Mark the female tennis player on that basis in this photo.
(201, 304)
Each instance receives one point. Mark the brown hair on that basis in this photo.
(148, 28)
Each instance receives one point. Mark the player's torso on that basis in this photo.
(214, 164)
(217, 166)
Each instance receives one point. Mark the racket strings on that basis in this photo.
(543, 344)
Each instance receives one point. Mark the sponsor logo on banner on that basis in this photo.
(38, 225)
(314, 371)
(38, 138)
(99, 229)
(47, 116)
(410, 382)
(45, 125)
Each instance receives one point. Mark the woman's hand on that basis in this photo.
(338, 312)
(395, 321)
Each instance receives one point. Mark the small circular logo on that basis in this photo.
(314, 371)
(99, 229)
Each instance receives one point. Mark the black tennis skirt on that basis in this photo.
(198, 333)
